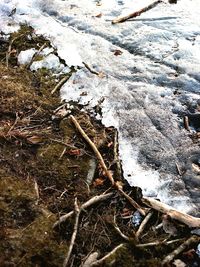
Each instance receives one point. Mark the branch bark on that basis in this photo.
(189, 220)
(136, 13)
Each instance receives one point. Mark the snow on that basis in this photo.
(142, 90)
(25, 57)
(49, 62)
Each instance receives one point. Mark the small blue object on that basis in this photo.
(136, 218)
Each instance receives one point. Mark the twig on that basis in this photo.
(182, 247)
(37, 190)
(86, 205)
(143, 224)
(132, 202)
(91, 70)
(116, 154)
(14, 124)
(136, 13)
(103, 165)
(77, 212)
(178, 169)
(94, 148)
(107, 256)
(157, 243)
(61, 82)
(91, 259)
(189, 220)
(63, 152)
(119, 231)
(63, 143)
(186, 123)
(35, 55)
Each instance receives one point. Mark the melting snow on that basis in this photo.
(142, 90)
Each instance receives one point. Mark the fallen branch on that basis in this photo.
(182, 247)
(189, 220)
(136, 13)
(84, 206)
(77, 212)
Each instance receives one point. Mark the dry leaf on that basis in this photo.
(74, 152)
(98, 182)
(35, 139)
(118, 52)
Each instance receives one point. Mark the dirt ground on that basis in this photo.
(45, 164)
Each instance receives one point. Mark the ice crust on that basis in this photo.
(142, 90)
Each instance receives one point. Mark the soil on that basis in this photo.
(45, 164)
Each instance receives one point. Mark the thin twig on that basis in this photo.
(103, 165)
(36, 190)
(157, 243)
(136, 13)
(91, 70)
(86, 205)
(178, 169)
(14, 124)
(77, 212)
(143, 224)
(35, 55)
(182, 247)
(116, 154)
(10, 48)
(119, 231)
(186, 123)
(107, 256)
(90, 259)
(132, 202)
(94, 148)
(61, 82)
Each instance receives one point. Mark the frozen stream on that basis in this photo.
(144, 91)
